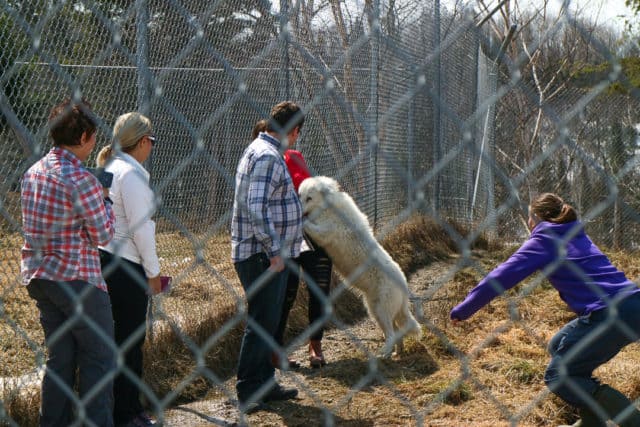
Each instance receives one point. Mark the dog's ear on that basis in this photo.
(333, 185)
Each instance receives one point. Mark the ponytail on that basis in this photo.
(104, 155)
(260, 126)
(567, 214)
(550, 207)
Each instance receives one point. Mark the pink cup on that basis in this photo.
(165, 283)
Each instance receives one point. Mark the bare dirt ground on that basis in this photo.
(354, 389)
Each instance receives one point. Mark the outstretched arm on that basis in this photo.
(532, 256)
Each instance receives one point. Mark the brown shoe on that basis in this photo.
(316, 358)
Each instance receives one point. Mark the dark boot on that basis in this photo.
(614, 404)
(576, 424)
(588, 419)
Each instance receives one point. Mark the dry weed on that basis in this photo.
(420, 240)
(485, 372)
(21, 405)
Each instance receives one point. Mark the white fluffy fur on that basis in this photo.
(334, 221)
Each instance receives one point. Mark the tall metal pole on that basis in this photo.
(284, 41)
(437, 91)
(142, 56)
(373, 107)
(411, 135)
(142, 65)
(142, 70)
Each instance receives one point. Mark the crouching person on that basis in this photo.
(606, 302)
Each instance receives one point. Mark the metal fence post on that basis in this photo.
(144, 104)
(411, 125)
(284, 40)
(372, 126)
(142, 56)
(437, 90)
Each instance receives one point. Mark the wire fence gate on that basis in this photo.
(415, 107)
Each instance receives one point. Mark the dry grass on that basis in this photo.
(488, 372)
(21, 404)
(20, 331)
(420, 241)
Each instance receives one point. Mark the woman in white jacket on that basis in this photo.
(130, 263)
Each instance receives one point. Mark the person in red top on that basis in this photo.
(66, 214)
(315, 262)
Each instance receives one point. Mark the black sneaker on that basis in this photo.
(143, 420)
(280, 393)
(140, 420)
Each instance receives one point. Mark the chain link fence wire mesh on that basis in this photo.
(414, 107)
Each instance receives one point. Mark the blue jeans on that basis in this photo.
(586, 343)
(265, 295)
(83, 341)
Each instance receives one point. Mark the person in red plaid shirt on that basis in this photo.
(66, 214)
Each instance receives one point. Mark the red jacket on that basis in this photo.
(297, 167)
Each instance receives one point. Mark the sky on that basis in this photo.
(608, 12)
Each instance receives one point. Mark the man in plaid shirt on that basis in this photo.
(266, 229)
(65, 216)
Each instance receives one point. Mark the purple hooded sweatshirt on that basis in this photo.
(580, 272)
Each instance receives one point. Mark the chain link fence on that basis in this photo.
(413, 107)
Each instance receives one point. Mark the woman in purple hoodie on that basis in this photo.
(606, 302)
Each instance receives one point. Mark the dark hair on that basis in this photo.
(69, 120)
(260, 126)
(550, 207)
(285, 116)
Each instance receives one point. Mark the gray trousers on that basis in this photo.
(78, 330)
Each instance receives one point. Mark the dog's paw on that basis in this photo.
(386, 352)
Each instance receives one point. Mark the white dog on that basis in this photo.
(333, 221)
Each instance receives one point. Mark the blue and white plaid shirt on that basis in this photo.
(267, 215)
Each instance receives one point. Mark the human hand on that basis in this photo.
(277, 264)
(155, 285)
(456, 322)
(105, 192)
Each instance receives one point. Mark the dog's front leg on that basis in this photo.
(316, 229)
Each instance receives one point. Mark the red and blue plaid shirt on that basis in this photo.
(64, 219)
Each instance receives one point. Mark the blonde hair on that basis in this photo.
(127, 132)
